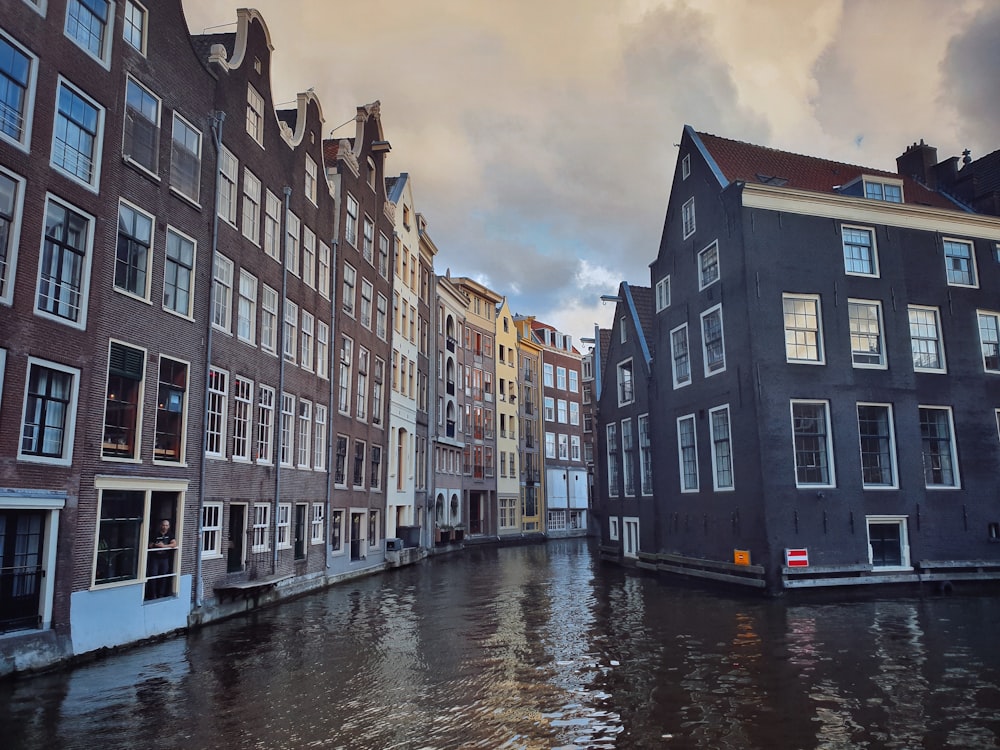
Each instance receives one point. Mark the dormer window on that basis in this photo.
(882, 190)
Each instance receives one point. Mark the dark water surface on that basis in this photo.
(537, 647)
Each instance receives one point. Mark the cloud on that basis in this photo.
(970, 71)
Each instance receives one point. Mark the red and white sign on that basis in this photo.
(797, 558)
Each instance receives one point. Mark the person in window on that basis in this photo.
(161, 560)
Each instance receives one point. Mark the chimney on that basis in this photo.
(917, 162)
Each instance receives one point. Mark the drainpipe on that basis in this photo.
(218, 118)
(281, 389)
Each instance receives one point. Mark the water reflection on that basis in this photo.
(537, 647)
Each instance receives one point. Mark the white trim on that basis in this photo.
(704, 348)
(906, 215)
(718, 268)
(831, 469)
(952, 445)
(104, 58)
(904, 542)
(673, 363)
(883, 362)
(820, 347)
(939, 339)
(153, 173)
(729, 439)
(680, 454)
(81, 321)
(69, 426)
(136, 456)
(189, 315)
(24, 144)
(14, 235)
(893, 461)
(98, 153)
(147, 295)
(874, 250)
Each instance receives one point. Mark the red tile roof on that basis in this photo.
(757, 164)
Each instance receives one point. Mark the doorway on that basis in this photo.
(236, 557)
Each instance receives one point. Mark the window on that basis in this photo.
(246, 309)
(132, 253)
(383, 256)
(269, 320)
(260, 541)
(49, 419)
(860, 254)
(344, 383)
(18, 69)
(363, 360)
(319, 438)
(645, 456)
(265, 424)
(76, 135)
(368, 240)
(574, 413)
(359, 464)
(959, 263)
(283, 526)
(367, 290)
(178, 274)
(292, 238)
(884, 191)
(561, 378)
(304, 454)
(64, 269)
(228, 173)
(626, 395)
(351, 228)
(349, 294)
(11, 208)
(708, 266)
(134, 31)
(878, 447)
(687, 218)
(290, 331)
(222, 292)
(310, 179)
(548, 375)
(803, 331)
(680, 356)
(550, 409)
(938, 447)
(812, 444)
(306, 350)
(215, 416)
(381, 316)
(322, 349)
(141, 142)
(251, 207)
(255, 115)
(663, 294)
(286, 434)
(722, 448)
(376, 468)
(323, 270)
(574, 381)
(989, 339)
(171, 411)
(211, 530)
(613, 533)
(612, 449)
(712, 341)
(185, 159)
(865, 318)
(272, 225)
(123, 402)
(925, 339)
(574, 451)
(87, 24)
(888, 546)
(242, 418)
(550, 445)
(309, 257)
(377, 391)
(561, 411)
(687, 453)
(317, 524)
(686, 167)
(628, 457)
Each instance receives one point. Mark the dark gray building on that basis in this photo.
(828, 381)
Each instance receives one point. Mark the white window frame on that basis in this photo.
(243, 406)
(645, 456)
(827, 448)
(80, 322)
(716, 309)
(144, 295)
(904, 542)
(290, 332)
(349, 291)
(548, 375)
(8, 268)
(102, 56)
(283, 526)
(685, 487)
(211, 530)
(705, 275)
(351, 223)
(246, 308)
(309, 257)
(872, 263)
(989, 339)
(150, 169)
(272, 226)
(624, 366)
(574, 379)
(797, 333)
(319, 437)
(229, 175)
(938, 337)
(218, 406)
(269, 304)
(23, 141)
(311, 182)
(286, 430)
(882, 363)
(307, 350)
(561, 378)
(682, 328)
(893, 482)
(688, 224)
(317, 524)
(222, 293)
(184, 240)
(719, 483)
(323, 270)
(260, 529)
(956, 483)
(252, 194)
(613, 530)
(255, 115)
(65, 458)
(686, 166)
(131, 8)
(663, 293)
(181, 146)
(304, 428)
(293, 241)
(973, 271)
(264, 434)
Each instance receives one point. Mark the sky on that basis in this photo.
(540, 135)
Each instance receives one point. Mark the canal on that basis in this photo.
(537, 647)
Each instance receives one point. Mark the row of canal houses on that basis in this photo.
(807, 392)
(219, 322)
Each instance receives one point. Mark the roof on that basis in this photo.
(746, 162)
(330, 148)
(394, 187)
(645, 302)
(203, 43)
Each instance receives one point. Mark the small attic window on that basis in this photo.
(686, 166)
(256, 65)
(884, 190)
(371, 173)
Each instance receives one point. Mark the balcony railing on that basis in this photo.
(450, 344)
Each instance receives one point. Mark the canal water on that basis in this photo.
(538, 647)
